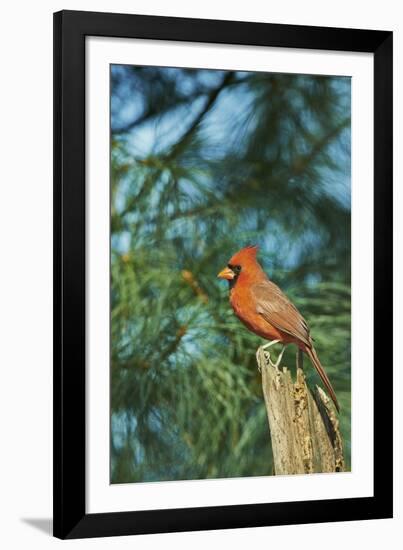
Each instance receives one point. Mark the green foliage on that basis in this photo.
(204, 162)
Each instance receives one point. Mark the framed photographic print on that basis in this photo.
(223, 274)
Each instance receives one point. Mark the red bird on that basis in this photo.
(265, 309)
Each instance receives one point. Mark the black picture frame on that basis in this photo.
(70, 31)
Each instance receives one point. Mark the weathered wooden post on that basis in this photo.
(304, 428)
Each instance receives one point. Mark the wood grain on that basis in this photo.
(304, 427)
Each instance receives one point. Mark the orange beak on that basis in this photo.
(226, 273)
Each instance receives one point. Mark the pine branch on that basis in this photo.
(211, 99)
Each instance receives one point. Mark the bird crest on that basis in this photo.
(247, 253)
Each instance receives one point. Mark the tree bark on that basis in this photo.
(304, 428)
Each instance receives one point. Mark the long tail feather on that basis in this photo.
(316, 363)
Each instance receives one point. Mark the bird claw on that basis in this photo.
(267, 357)
(279, 359)
(261, 351)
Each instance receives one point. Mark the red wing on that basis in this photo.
(274, 306)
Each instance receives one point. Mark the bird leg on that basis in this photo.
(279, 358)
(270, 344)
(267, 354)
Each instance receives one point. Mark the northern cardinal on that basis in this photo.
(265, 309)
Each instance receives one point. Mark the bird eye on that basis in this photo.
(237, 268)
